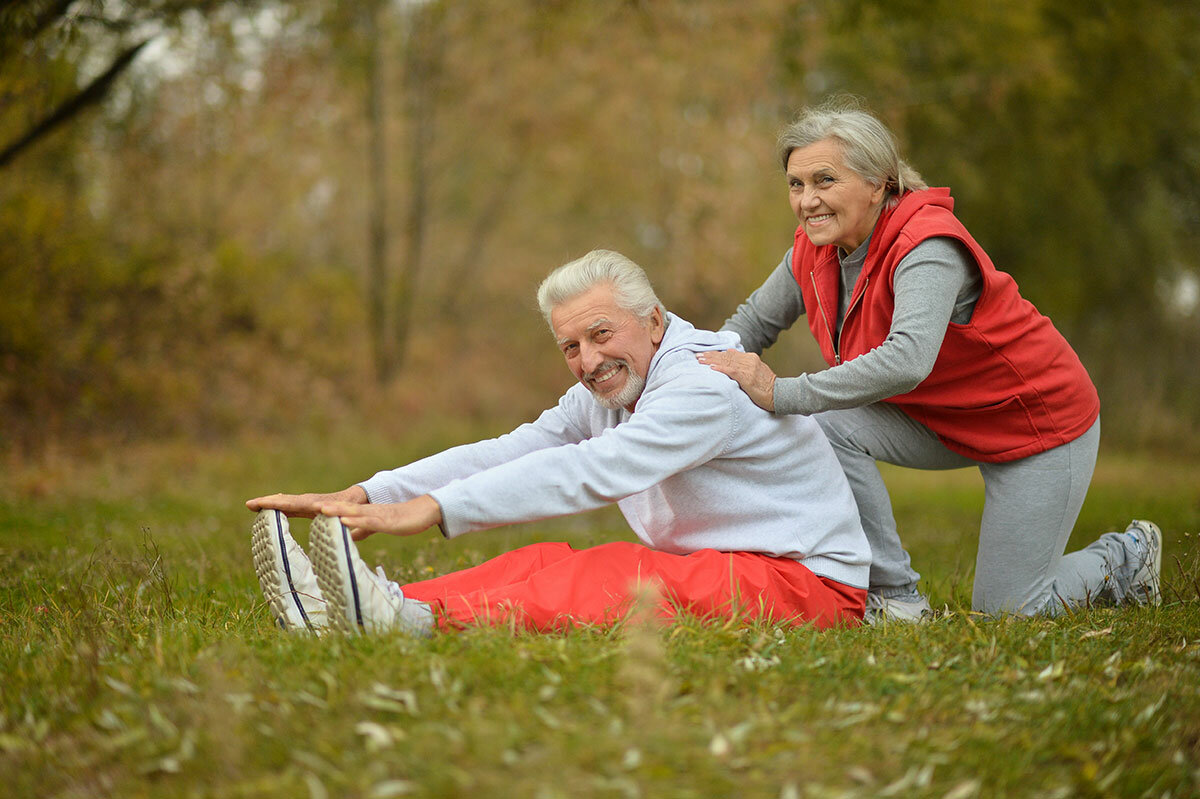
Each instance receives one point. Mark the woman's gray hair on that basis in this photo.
(630, 286)
(868, 147)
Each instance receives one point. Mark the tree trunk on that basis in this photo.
(423, 53)
(377, 234)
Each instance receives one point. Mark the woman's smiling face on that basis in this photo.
(833, 203)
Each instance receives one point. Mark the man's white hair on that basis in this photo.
(630, 287)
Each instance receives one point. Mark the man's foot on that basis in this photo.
(1145, 543)
(359, 600)
(908, 610)
(285, 574)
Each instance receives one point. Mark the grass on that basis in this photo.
(139, 660)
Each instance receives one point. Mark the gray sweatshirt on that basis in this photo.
(696, 466)
(935, 284)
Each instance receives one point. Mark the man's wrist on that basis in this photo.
(431, 510)
(355, 493)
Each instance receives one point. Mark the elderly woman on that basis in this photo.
(935, 362)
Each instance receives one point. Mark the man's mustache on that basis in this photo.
(604, 367)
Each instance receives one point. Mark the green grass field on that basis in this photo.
(137, 659)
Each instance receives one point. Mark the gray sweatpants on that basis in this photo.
(1029, 510)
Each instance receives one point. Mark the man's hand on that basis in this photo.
(307, 505)
(754, 376)
(402, 518)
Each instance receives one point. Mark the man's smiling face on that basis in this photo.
(607, 348)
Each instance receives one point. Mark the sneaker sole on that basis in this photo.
(1151, 590)
(893, 613)
(330, 549)
(880, 619)
(275, 572)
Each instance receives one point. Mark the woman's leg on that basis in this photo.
(882, 432)
(1031, 508)
(596, 586)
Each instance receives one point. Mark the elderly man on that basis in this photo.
(741, 513)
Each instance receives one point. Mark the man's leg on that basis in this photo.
(512, 567)
(882, 432)
(596, 586)
(358, 600)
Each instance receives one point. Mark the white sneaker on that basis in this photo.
(881, 609)
(285, 574)
(1146, 586)
(360, 600)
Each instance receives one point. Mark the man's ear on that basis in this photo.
(658, 326)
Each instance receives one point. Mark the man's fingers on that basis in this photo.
(360, 524)
(340, 509)
(266, 501)
(363, 520)
(287, 503)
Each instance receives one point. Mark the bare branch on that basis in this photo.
(93, 93)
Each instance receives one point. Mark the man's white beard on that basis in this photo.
(627, 395)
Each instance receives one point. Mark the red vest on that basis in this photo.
(1005, 385)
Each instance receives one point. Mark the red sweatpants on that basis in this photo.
(550, 586)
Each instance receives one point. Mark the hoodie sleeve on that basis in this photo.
(556, 427)
(686, 422)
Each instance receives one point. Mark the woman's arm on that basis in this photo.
(934, 281)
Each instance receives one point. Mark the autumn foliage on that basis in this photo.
(189, 255)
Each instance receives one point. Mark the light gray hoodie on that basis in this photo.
(696, 466)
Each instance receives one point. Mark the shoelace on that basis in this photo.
(1141, 547)
(391, 586)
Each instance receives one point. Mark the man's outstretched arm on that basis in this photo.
(363, 518)
(676, 427)
(395, 518)
(552, 428)
(307, 505)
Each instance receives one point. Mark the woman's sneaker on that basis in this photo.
(1145, 542)
(359, 600)
(906, 610)
(285, 574)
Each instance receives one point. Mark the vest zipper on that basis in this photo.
(854, 304)
(837, 359)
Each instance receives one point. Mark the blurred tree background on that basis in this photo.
(220, 217)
